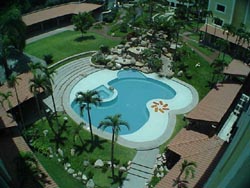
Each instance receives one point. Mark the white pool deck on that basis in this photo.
(159, 126)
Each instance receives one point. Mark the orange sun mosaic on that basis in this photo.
(160, 106)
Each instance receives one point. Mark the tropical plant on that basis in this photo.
(38, 84)
(82, 22)
(85, 99)
(5, 97)
(189, 169)
(13, 82)
(12, 36)
(208, 14)
(218, 65)
(48, 58)
(115, 123)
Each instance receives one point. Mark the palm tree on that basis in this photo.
(208, 14)
(115, 123)
(12, 36)
(5, 97)
(38, 83)
(13, 82)
(180, 183)
(85, 99)
(49, 74)
(189, 169)
(218, 65)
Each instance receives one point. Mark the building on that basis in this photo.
(175, 3)
(58, 16)
(233, 12)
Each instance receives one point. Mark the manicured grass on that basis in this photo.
(57, 172)
(202, 48)
(200, 76)
(85, 151)
(68, 43)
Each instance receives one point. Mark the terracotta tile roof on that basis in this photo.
(218, 32)
(196, 147)
(10, 148)
(215, 104)
(58, 11)
(238, 68)
(22, 89)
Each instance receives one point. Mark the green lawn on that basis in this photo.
(68, 43)
(57, 172)
(100, 149)
(200, 76)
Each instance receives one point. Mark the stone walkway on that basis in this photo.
(142, 169)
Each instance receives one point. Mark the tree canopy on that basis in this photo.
(82, 21)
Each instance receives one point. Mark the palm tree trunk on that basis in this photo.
(90, 124)
(6, 67)
(19, 108)
(112, 153)
(55, 111)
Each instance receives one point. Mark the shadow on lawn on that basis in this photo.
(83, 38)
(119, 178)
(97, 143)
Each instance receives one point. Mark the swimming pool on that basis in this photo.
(134, 91)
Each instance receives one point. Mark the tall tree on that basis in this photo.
(13, 82)
(115, 123)
(82, 22)
(85, 99)
(208, 14)
(12, 35)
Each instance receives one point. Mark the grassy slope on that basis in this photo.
(68, 43)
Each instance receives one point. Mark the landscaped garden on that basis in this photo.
(70, 155)
(73, 154)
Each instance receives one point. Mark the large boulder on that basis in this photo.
(99, 163)
(90, 183)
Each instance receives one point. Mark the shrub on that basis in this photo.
(48, 58)
(104, 49)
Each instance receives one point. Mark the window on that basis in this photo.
(218, 21)
(220, 8)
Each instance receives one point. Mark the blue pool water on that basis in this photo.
(134, 91)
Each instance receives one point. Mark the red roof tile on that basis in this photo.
(218, 32)
(23, 89)
(215, 104)
(237, 68)
(58, 11)
(196, 147)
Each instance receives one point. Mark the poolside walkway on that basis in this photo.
(142, 169)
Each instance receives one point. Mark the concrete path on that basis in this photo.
(50, 33)
(142, 169)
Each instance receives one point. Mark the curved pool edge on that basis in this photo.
(166, 134)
